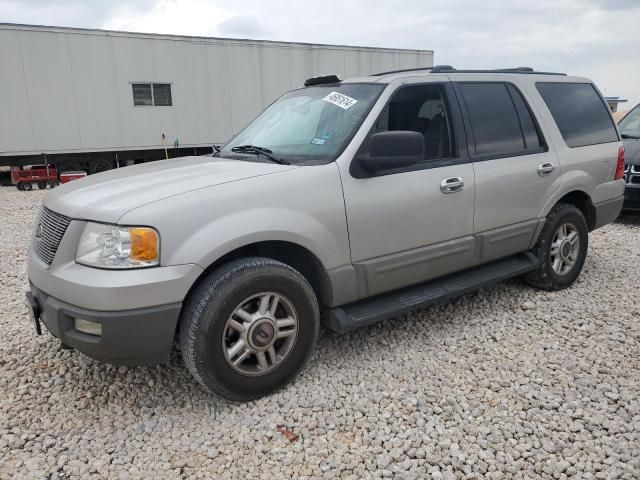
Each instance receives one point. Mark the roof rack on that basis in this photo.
(450, 69)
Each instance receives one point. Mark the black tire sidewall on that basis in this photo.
(27, 187)
(216, 373)
(569, 214)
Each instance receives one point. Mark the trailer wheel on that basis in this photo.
(42, 185)
(100, 166)
(27, 187)
(69, 166)
(53, 183)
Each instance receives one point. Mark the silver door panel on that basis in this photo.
(400, 269)
(504, 241)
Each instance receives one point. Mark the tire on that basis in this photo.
(27, 187)
(98, 166)
(69, 166)
(42, 185)
(20, 186)
(548, 276)
(53, 183)
(207, 337)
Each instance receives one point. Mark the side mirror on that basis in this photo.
(394, 149)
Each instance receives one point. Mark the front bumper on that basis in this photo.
(129, 337)
(138, 309)
(632, 198)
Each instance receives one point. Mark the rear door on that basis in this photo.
(516, 172)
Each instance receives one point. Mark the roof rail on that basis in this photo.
(380, 74)
(450, 69)
(523, 70)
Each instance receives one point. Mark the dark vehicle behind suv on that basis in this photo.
(630, 131)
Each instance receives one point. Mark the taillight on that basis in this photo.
(620, 165)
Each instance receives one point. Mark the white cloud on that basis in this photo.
(181, 17)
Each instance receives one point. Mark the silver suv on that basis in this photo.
(342, 204)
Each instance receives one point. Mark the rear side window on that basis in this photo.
(580, 113)
(501, 122)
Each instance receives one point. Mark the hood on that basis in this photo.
(107, 196)
(632, 151)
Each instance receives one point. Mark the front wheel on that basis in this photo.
(561, 249)
(248, 328)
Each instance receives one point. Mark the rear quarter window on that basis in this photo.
(580, 113)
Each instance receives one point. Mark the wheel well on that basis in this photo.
(583, 202)
(292, 254)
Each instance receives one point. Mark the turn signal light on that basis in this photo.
(620, 165)
(144, 244)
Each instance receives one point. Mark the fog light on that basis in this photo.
(90, 328)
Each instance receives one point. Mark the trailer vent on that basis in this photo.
(142, 94)
(162, 94)
(152, 94)
(50, 227)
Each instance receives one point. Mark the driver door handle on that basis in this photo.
(545, 169)
(451, 185)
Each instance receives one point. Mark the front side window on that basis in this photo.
(501, 122)
(422, 109)
(311, 125)
(629, 126)
(580, 113)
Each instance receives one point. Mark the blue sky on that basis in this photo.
(599, 39)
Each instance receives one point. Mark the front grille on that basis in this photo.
(50, 227)
(632, 174)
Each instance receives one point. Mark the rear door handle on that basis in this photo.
(545, 169)
(451, 185)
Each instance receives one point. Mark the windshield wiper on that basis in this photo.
(259, 151)
(626, 135)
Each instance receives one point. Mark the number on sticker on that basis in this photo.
(340, 100)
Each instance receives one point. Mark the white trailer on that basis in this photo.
(68, 93)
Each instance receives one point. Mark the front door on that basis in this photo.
(412, 224)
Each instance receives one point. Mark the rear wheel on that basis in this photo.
(42, 185)
(53, 183)
(248, 328)
(561, 249)
(27, 187)
(20, 186)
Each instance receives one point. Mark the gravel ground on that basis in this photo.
(507, 383)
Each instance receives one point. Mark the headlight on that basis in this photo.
(112, 246)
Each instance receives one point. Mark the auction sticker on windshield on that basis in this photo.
(341, 100)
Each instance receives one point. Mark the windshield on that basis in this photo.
(630, 125)
(311, 125)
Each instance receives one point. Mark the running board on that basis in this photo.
(372, 310)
